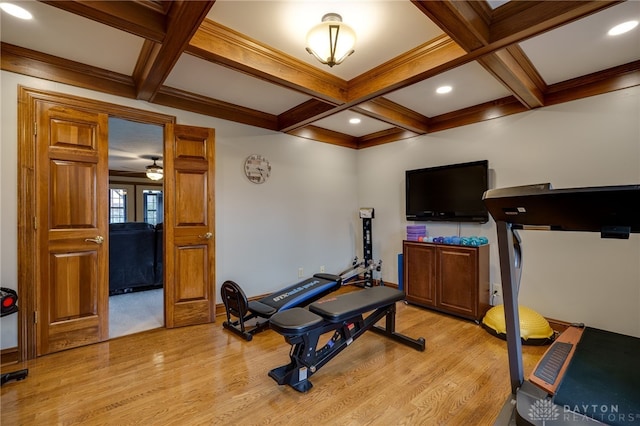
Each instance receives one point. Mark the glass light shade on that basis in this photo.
(154, 172)
(331, 41)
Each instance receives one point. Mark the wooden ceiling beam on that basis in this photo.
(133, 17)
(384, 136)
(420, 63)
(460, 20)
(327, 136)
(390, 112)
(47, 67)
(470, 26)
(303, 114)
(156, 62)
(516, 21)
(218, 44)
(513, 69)
(476, 114)
(612, 79)
(187, 101)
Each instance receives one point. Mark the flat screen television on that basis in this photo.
(450, 193)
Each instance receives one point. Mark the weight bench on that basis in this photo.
(300, 294)
(343, 315)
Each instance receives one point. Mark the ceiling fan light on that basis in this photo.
(154, 172)
(331, 41)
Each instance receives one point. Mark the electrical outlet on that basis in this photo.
(496, 289)
(496, 294)
(322, 269)
(300, 272)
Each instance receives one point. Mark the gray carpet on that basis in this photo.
(135, 312)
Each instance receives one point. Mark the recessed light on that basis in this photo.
(444, 89)
(623, 28)
(16, 11)
(354, 120)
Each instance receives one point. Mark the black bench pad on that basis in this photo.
(305, 291)
(261, 309)
(294, 321)
(345, 306)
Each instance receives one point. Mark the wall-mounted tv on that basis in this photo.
(448, 193)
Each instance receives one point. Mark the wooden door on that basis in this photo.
(71, 224)
(189, 272)
(420, 273)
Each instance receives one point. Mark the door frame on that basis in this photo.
(27, 256)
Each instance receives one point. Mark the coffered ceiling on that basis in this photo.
(245, 61)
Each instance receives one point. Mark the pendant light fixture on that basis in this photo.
(154, 172)
(331, 41)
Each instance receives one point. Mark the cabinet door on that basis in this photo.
(420, 273)
(457, 285)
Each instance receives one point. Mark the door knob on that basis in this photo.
(98, 240)
(206, 236)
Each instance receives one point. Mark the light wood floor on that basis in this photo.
(206, 375)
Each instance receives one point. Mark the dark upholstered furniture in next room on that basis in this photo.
(133, 257)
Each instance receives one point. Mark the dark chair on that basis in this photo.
(159, 278)
(132, 254)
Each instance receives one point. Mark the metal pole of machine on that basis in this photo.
(366, 214)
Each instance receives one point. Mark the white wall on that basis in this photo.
(306, 214)
(591, 142)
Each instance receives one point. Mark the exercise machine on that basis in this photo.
(368, 265)
(300, 294)
(587, 376)
(344, 315)
(8, 306)
(240, 310)
(362, 268)
(366, 214)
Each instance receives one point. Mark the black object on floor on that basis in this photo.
(9, 301)
(14, 375)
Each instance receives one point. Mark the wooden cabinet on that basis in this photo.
(447, 278)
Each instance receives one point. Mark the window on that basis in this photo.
(152, 206)
(130, 202)
(117, 205)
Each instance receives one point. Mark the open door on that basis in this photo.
(189, 269)
(71, 224)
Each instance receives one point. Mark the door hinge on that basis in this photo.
(35, 317)
(35, 223)
(35, 128)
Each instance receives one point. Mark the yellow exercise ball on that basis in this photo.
(534, 328)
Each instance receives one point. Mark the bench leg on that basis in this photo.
(390, 332)
(238, 327)
(296, 374)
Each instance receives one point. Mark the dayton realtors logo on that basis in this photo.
(544, 410)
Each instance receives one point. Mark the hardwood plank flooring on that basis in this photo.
(204, 375)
